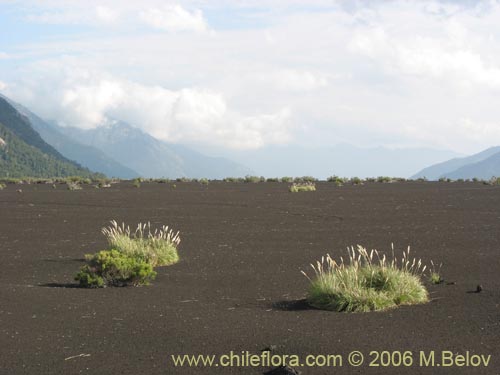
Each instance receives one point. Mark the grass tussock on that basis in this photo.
(306, 186)
(157, 247)
(367, 281)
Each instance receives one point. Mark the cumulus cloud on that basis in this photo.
(190, 115)
(174, 18)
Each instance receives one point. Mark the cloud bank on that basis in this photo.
(240, 75)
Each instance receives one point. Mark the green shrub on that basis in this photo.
(254, 179)
(308, 186)
(287, 179)
(356, 181)
(272, 179)
(114, 268)
(367, 282)
(158, 247)
(203, 181)
(338, 181)
(2, 186)
(137, 182)
(384, 179)
(305, 179)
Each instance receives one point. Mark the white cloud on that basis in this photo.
(382, 72)
(88, 99)
(298, 80)
(4, 56)
(106, 14)
(174, 18)
(3, 86)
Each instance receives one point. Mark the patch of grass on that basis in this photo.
(368, 281)
(72, 185)
(2, 186)
(306, 186)
(114, 268)
(137, 182)
(158, 247)
(435, 274)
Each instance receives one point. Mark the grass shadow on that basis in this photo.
(293, 305)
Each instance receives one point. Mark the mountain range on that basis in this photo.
(120, 150)
(31, 146)
(343, 159)
(482, 165)
(23, 152)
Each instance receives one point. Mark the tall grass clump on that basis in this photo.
(307, 186)
(157, 247)
(367, 281)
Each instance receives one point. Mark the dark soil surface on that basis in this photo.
(238, 286)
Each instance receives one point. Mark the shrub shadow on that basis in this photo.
(60, 285)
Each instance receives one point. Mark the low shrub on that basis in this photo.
(287, 179)
(137, 182)
(2, 186)
(114, 268)
(308, 186)
(158, 247)
(356, 181)
(304, 179)
(384, 179)
(366, 282)
(254, 179)
(338, 181)
(273, 179)
(203, 181)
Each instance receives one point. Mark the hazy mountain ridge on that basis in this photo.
(342, 160)
(484, 165)
(151, 157)
(24, 153)
(87, 156)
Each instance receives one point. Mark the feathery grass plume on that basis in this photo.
(307, 186)
(158, 247)
(367, 281)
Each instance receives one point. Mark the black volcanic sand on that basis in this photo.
(238, 285)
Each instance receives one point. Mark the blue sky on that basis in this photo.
(247, 74)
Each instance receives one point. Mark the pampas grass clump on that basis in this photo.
(158, 247)
(306, 186)
(366, 282)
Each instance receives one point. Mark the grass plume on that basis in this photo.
(367, 281)
(158, 247)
